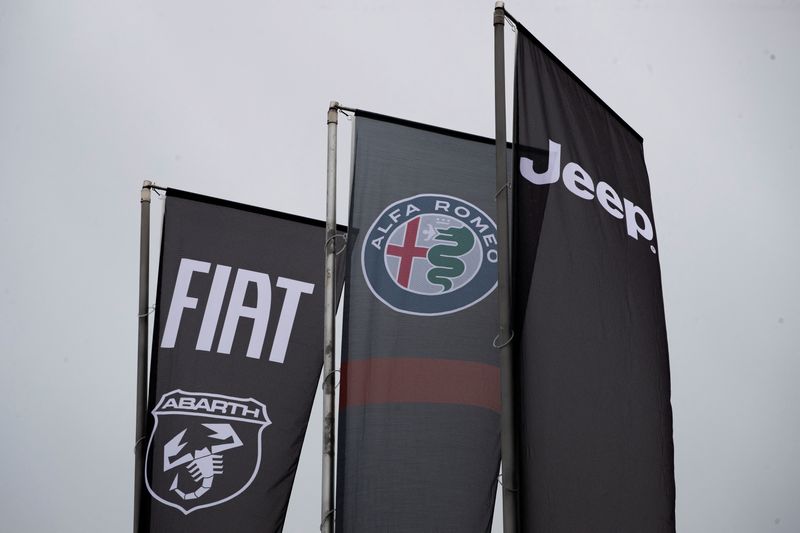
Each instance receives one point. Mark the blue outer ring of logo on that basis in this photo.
(387, 291)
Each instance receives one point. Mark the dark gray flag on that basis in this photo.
(596, 423)
(419, 437)
(237, 353)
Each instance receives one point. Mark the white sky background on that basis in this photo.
(229, 99)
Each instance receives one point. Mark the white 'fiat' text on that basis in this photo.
(259, 314)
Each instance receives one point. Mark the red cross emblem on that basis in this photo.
(407, 252)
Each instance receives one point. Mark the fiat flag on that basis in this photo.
(596, 423)
(237, 353)
(419, 434)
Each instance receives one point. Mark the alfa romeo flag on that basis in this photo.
(419, 430)
(596, 422)
(237, 353)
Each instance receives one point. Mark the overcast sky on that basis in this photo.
(229, 99)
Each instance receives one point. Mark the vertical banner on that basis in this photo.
(596, 423)
(237, 353)
(419, 434)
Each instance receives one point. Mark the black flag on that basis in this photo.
(237, 353)
(596, 424)
(420, 425)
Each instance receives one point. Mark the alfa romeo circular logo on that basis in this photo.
(431, 254)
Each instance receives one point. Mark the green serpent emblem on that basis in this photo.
(444, 256)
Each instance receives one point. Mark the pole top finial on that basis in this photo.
(146, 186)
(499, 4)
(333, 112)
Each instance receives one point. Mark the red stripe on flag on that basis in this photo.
(416, 380)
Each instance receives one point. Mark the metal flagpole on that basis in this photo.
(508, 438)
(328, 388)
(141, 369)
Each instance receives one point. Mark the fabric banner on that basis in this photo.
(596, 423)
(237, 354)
(419, 434)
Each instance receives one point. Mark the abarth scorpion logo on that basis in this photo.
(203, 464)
(431, 254)
(205, 449)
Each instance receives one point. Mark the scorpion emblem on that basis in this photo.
(203, 464)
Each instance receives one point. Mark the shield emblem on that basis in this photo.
(204, 450)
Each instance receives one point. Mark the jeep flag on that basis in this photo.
(596, 424)
(237, 353)
(419, 434)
